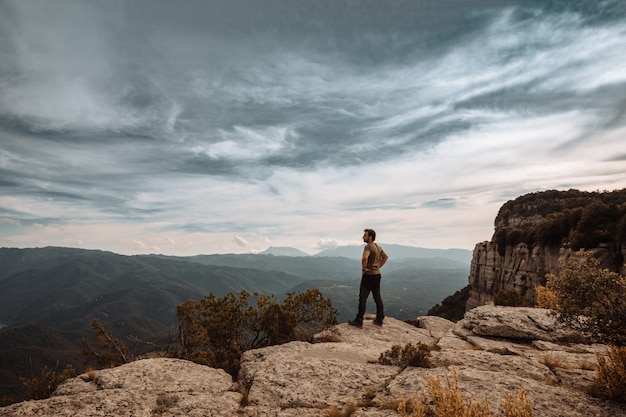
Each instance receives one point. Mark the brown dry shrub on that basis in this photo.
(546, 298)
(508, 297)
(164, 402)
(611, 376)
(43, 385)
(516, 406)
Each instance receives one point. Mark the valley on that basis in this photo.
(49, 296)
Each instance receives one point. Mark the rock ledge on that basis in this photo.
(492, 350)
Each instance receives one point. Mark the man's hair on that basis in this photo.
(371, 233)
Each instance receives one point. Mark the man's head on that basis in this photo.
(369, 233)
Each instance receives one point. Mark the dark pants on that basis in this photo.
(370, 283)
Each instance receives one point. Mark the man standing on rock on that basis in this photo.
(374, 257)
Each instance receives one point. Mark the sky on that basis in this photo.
(229, 126)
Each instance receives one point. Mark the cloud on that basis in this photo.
(299, 123)
(241, 241)
(141, 247)
(247, 143)
(328, 243)
(60, 82)
(442, 203)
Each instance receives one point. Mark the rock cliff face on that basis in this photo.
(493, 350)
(520, 268)
(533, 232)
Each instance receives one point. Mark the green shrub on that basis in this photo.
(552, 230)
(193, 339)
(589, 298)
(508, 297)
(502, 239)
(215, 331)
(593, 301)
(598, 224)
(409, 355)
(453, 306)
(575, 218)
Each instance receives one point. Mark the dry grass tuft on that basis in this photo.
(90, 375)
(516, 406)
(245, 398)
(164, 402)
(448, 400)
(330, 334)
(43, 385)
(368, 398)
(552, 361)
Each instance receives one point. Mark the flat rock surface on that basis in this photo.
(494, 350)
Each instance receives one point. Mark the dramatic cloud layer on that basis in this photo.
(232, 125)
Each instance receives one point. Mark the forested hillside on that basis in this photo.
(49, 296)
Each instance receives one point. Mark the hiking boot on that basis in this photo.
(378, 323)
(355, 324)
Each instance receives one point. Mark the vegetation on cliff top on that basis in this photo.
(588, 298)
(577, 219)
(215, 331)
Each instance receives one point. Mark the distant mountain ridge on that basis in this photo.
(393, 250)
(283, 251)
(48, 296)
(401, 251)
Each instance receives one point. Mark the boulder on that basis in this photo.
(149, 387)
(516, 323)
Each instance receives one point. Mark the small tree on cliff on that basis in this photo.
(589, 298)
(593, 301)
(110, 352)
(42, 385)
(215, 331)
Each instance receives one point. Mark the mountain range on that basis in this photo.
(48, 296)
(402, 252)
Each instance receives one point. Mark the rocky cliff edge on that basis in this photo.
(492, 350)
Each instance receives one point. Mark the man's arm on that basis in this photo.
(366, 255)
(383, 258)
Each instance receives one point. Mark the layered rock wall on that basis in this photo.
(520, 268)
(523, 268)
